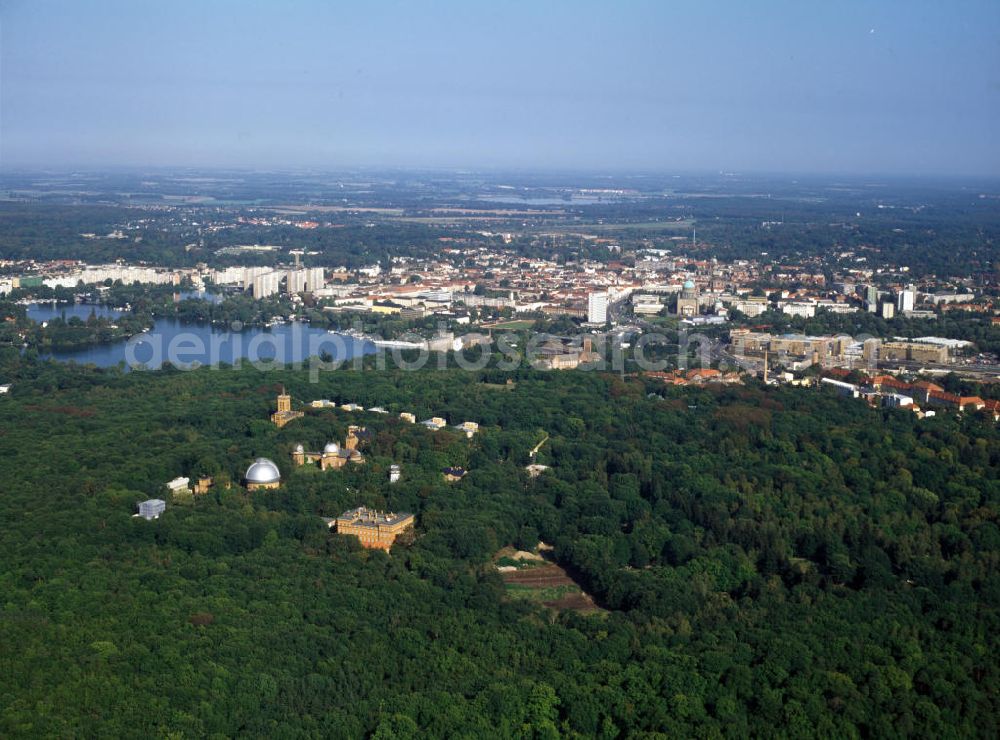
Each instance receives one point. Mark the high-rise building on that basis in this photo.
(906, 299)
(301, 280)
(266, 285)
(597, 308)
(295, 281)
(252, 273)
(871, 298)
(314, 279)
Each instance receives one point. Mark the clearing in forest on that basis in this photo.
(535, 579)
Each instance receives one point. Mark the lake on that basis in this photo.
(47, 311)
(195, 345)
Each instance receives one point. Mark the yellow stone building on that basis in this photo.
(203, 485)
(374, 529)
(284, 414)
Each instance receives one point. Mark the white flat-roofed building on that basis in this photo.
(469, 427)
(951, 344)
(751, 307)
(896, 400)
(437, 296)
(152, 508)
(647, 309)
(845, 389)
(835, 307)
(178, 484)
(806, 309)
(950, 297)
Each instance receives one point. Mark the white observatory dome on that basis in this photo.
(263, 471)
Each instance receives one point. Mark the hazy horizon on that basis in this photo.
(779, 88)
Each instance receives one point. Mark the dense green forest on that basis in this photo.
(172, 238)
(769, 561)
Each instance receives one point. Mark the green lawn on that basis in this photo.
(517, 325)
(554, 593)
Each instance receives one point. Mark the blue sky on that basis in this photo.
(889, 87)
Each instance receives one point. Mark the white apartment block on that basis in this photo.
(597, 308)
(267, 284)
(126, 273)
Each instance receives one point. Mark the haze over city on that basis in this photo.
(889, 88)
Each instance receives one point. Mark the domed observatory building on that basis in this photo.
(263, 474)
(333, 456)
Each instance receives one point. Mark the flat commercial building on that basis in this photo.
(806, 309)
(646, 305)
(799, 345)
(751, 307)
(913, 351)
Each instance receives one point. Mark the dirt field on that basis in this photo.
(551, 586)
